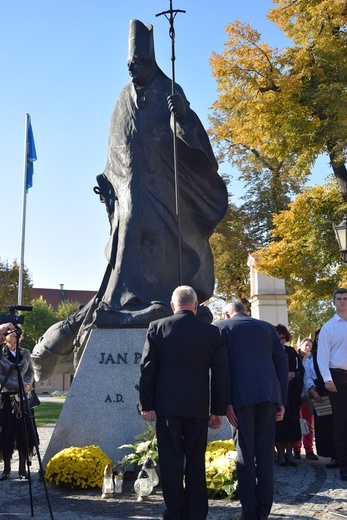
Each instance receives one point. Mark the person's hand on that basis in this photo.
(291, 376)
(150, 416)
(232, 419)
(215, 421)
(330, 386)
(315, 396)
(6, 328)
(280, 413)
(27, 386)
(176, 105)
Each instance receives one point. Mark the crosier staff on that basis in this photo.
(170, 15)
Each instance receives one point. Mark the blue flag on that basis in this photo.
(31, 157)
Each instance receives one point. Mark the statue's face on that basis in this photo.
(141, 71)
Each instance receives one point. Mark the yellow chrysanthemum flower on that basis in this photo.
(72, 467)
(220, 462)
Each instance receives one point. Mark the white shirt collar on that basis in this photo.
(338, 318)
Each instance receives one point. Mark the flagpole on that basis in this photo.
(24, 202)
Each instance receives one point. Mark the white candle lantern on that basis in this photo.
(143, 485)
(118, 481)
(149, 467)
(108, 484)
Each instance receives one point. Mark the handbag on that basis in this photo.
(305, 430)
(323, 408)
(33, 399)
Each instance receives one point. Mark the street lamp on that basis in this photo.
(341, 235)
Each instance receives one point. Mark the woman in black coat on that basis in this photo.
(288, 431)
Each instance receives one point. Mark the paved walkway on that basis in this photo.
(309, 491)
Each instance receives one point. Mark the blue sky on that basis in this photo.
(64, 63)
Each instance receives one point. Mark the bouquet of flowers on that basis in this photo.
(81, 467)
(145, 448)
(220, 461)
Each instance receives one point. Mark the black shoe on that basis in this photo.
(311, 456)
(4, 476)
(291, 462)
(332, 464)
(297, 455)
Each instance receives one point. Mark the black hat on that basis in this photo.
(140, 41)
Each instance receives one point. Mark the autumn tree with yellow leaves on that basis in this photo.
(277, 111)
(230, 245)
(303, 250)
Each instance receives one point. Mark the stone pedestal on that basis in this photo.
(102, 404)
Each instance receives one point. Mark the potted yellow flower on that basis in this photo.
(220, 461)
(81, 467)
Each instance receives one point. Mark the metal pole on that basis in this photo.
(170, 16)
(22, 240)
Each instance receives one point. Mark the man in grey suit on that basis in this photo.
(179, 352)
(258, 371)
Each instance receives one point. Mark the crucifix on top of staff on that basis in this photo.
(170, 15)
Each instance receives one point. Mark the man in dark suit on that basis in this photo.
(258, 371)
(175, 389)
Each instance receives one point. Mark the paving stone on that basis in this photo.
(309, 491)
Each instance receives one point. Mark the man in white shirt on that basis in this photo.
(332, 362)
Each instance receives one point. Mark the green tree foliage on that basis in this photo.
(9, 276)
(66, 309)
(304, 252)
(230, 246)
(37, 321)
(42, 317)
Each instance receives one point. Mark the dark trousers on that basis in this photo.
(339, 405)
(254, 440)
(181, 446)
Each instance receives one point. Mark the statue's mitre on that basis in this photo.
(140, 42)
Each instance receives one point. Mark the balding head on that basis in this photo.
(184, 298)
(232, 308)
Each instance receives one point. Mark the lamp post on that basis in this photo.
(341, 235)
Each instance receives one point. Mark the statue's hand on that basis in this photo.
(176, 105)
